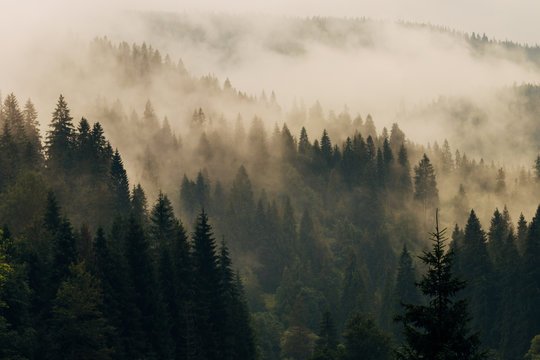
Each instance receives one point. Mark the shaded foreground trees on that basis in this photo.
(439, 329)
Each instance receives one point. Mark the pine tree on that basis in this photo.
(327, 341)
(209, 308)
(530, 284)
(118, 295)
(79, 329)
(405, 290)
(139, 206)
(13, 118)
(162, 223)
(475, 267)
(31, 125)
(439, 329)
(60, 139)
(142, 277)
(363, 340)
(119, 185)
(304, 146)
(404, 182)
(297, 341)
(354, 288)
(425, 186)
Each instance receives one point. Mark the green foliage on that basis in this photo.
(534, 350)
(79, 328)
(363, 340)
(439, 329)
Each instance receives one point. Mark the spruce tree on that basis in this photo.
(405, 290)
(439, 330)
(162, 224)
(60, 139)
(476, 268)
(530, 284)
(425, 184)
(79, 329)
(363, 340)
(209, 307)
(327, 341)
(119, 185)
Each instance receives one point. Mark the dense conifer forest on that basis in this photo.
(233, 227)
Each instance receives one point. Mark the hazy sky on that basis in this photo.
(504, 19)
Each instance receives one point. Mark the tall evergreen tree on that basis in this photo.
(162, 223)
(210, 312)
(79, 329)
(425, 185)
(60, 139)
(439, 329)
(119, 185)
(475, 267)
(530, 284)
(327, 341)
(405, 290)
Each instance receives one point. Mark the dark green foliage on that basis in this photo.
(425, 185)
(363, 340)
(298, 340)
(142, 277)
(327, 341)
(162, 224)
(60, 139)
(405, 290)
(119, 185)
(530, 284)
(439, 329)
(209, 309)
(139, 205)
(79, 329)
(475, 267)
(353, 296)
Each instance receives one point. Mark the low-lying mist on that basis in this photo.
(315, 72)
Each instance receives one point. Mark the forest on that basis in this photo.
(182, 218)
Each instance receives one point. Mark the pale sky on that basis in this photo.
(503, 19)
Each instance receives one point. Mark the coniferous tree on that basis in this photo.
(363, 340)
(425, 185)
(327, 341)
(80, 330)
(162, 224)
(354, 288)
(439, 329)
(404, 182)
(298, 340)
(119, 185)
(129, 340)
(142, 276)
(475, 267)
(209, 308)
(405, 290)
(60, 139)
(139, 206)
(530, 284)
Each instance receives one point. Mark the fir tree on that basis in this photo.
(363, 340)
(79, 329)
(119, 184)
(208, 291)
(327, 341)
(439, 329)
(60, 139)
(162, 223)
(405, 290)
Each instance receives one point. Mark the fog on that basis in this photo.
(365, 57)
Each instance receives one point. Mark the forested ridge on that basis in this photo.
(323, 233)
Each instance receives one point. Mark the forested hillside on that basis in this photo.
(179, 217)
